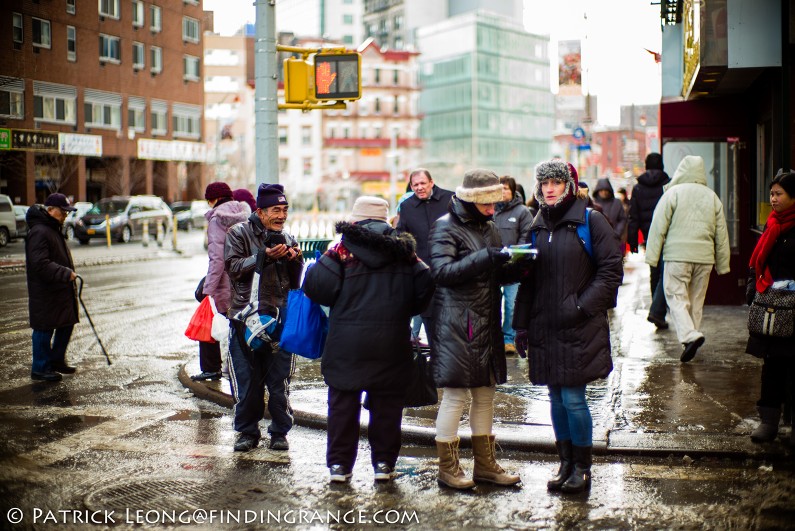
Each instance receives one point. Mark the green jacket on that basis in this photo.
(688, 223)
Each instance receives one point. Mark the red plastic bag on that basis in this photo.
(201, 324)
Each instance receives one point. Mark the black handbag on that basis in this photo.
(199, 293)
(772, 313)
(421, 391)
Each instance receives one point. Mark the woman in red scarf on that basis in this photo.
(773, 260)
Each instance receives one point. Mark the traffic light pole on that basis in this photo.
(265, 94)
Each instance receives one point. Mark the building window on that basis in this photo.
(347, 39)
(136, 116)
(54, 109)
(398, 43)
(70, 6)
(18, 29)
(347, 19)
(186, 125)
(283, 135)
(377, 76)
(109, 8)
(138, 56)
(109, 48)
(190, 68)
(71, 44)
(190, 29)
(156, 59)
(395, 77)
(191, 2)
(306, 135)
(41, 33)
(103, 115)
(377, 106)
(11, 104)
(307, 166)
(137, 13)
(159, 122)
(156, 22)
(396, 106)
(397, 23)
(284, 164)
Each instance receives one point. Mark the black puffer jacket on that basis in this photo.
(52, 298)
(563, 303)
(781, 262)
(373, 282)
(467, 347)
(513, 220)
(645, 196)
(612, 208)
(417, 216)
(240, 258)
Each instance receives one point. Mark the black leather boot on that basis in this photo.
(580, 478)
(566, 465)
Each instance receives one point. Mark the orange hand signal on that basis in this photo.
(324, 78)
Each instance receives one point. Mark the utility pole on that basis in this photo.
(265, 94)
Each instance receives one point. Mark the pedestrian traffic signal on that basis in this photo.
(338, 76)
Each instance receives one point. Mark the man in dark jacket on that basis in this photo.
(52, 299)
(417, 215)
(261, 244)
(373, 283)
(645, 196)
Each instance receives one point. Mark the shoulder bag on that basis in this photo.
(772, 313)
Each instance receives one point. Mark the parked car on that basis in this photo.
(8, 221)
(22, 225)
(126, 216)
(72, 218)
(190, 214)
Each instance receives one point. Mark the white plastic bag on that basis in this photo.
(220, 330)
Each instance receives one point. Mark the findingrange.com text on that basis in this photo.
(214, 516)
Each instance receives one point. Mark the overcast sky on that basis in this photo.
(615, 65)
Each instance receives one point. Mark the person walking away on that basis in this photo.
(645, 196)
(688, 231)
(52, 298)
(224, 212)
(561, 314)
(773, 264)
(244, 196)
(417, 215)
(467, 349)
(513, 221)
(261, 240)
(612, 208)
(373, 283)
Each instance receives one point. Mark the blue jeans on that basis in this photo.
(250, 373)
(571, 418)
(658, 305)
(49, 350)
(416, 325)
(509, 292)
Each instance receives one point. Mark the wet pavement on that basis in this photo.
(127, 445)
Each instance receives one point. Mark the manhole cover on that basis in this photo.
(153, 495)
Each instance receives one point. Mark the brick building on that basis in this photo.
(101, 98)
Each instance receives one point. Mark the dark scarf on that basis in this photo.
(475, 213)
(556, 211)
(777, 223)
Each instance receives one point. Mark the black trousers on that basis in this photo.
(778, 377)
(383, 433)
(210, 356)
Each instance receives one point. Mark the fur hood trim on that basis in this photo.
(379, 238)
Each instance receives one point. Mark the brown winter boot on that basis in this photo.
(486, 466)
(450, 472)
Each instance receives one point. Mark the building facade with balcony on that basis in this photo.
(101, 98)
(727, 96)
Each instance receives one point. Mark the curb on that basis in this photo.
(19, 265)
(728, 447)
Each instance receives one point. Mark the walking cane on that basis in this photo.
(80, 298)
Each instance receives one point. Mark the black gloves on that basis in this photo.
(497, 256)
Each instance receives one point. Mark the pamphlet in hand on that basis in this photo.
(524, 251)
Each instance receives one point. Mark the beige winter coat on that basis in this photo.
(688, 223)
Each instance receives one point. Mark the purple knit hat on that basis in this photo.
(217, 190)
(243, 195)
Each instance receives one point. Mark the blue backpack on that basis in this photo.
(583, 233)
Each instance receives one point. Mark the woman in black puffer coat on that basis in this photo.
(467, 352)
(561, 313)
(373, 282)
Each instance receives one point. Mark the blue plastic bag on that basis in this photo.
(305, 326)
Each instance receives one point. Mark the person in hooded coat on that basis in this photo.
(645, 196)
(373, 282)
(224, 212)
(52, 298)
(561, 314)
(467, 349)
(688, 231)
(612, 208)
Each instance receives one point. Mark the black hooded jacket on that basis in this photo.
(373, 282)
(645, 196)
(52, 298)
(612, 208)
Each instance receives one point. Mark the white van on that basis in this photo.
(8, 221)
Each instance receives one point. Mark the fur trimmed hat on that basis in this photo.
(217, 190)
(480, 186)
(560, 171)
(269, 195)
(369, 207)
